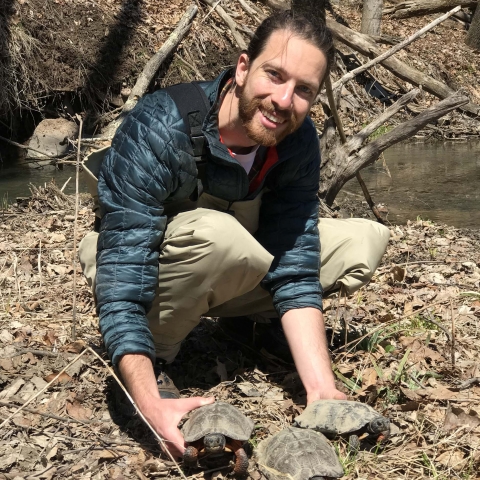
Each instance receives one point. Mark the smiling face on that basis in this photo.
(278, 88)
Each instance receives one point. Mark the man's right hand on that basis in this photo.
(165, 414)
(162, 414)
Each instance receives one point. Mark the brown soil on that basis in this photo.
(93, 49)
(399, 358)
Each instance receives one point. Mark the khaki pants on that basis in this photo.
(210, 264)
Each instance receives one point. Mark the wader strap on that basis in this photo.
(193, 106)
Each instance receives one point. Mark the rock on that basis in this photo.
(51, 136)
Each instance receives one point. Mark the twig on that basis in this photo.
(19, 145)
(75, 233)
(157, 436)
(440, 326)
(469, 383)
(39, 262)
(393, 50)
(453, 333)
(230, 23)
(69, 178)
(44, 388)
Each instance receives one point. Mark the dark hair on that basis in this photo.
(315, 32)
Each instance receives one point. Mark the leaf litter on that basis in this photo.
(394, 346)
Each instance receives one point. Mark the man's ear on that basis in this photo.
(241, 72)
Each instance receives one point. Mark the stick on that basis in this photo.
(453, 333)
(30, 400)
(343, 138)
(19, 145)
(75, 233)
(152, 67)
(468, 383)
(255, 14)
(157, 436)
(232, 25)
(346, 78)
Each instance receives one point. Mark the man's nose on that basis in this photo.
(282, 97)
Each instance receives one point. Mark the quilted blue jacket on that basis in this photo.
(150, 164)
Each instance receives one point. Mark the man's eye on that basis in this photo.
(273, 73)
(305, 90)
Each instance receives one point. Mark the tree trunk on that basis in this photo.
(473, 36)
(425, 7)
(372, 17)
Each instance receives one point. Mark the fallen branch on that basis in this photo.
(343, 139)
(24, 147)
(341, 162)
(232, 25)
(251, 10)
(425, 7)
(392, 51)
(361, 43)
(152, 67)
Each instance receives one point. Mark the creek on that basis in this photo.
(438, 181)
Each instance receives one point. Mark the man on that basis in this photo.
(250, 243)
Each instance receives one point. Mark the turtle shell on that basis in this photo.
(218, 417)
(336, 417)
(298, 454)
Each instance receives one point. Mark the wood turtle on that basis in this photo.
(213, 429)
(345, 418)
(298, 454)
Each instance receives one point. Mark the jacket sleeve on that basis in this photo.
(289, 231)
(141, 169)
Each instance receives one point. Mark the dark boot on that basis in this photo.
(166, 387)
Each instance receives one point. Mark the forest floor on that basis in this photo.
(407, 344)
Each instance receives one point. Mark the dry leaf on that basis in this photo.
(62, 379)
(450, 459)
(76, 410)
(456, 417)
(12, 389)
(398, 273)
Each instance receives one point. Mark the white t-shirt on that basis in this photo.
(246, 161)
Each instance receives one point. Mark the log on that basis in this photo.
(392, 51)
(425, 7)
(340, 162)
(361, 43)
(152, 67)
(473, 36)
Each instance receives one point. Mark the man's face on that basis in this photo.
(278, 88)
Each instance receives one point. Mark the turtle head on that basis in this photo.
(214, 443)
(379, 426)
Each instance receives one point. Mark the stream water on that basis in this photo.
(437, 181)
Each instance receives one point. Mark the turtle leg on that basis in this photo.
(241, 458)
(353, 444)
(190, 456)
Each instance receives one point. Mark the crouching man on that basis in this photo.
(250, 244)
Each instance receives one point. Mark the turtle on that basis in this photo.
(344, 418)
(298, 454)
(212, 429)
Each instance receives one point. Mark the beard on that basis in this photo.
(255, 130)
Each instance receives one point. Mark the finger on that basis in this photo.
(188, 404)
(174, 442)
(339, 396)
